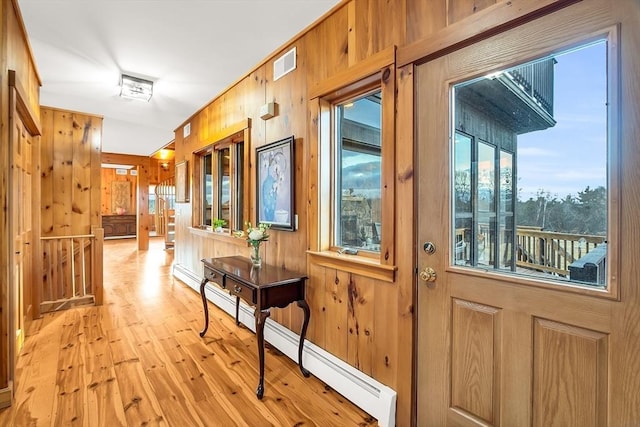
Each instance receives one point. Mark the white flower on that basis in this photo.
(256, 234)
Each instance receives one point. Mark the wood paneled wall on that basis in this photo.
(368, 323)
(15, 55)
(70, 153)
(158, 173)
(108, 176)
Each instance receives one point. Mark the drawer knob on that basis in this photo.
(237, 289)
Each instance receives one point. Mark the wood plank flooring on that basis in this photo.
(138, 361)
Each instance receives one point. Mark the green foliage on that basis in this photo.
(217, 223)
(584, 214)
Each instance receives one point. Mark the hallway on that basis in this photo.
(138, 360)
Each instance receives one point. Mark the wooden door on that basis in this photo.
(495, 347)
(21, 213)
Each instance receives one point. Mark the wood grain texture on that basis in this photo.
(138, 359)
(569, 375)
(560, 349)
(16, 64)
(397, 364)
(482, 24)
(107, 177)
(370, 31)
(627, 359)
(475, 364)
(69, 143)
(461, 9)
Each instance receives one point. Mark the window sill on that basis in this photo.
(354, 264)
(224, 236)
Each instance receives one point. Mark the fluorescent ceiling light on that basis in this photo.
(136, 88)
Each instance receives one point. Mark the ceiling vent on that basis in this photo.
(285, 64)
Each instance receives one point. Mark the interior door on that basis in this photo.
(508, 331)
(21, 188)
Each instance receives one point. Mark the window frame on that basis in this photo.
(236, 140)
(611, 36)
(337, 151)
(377, 72)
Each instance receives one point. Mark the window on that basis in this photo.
(530, 179)
(152, 199)
(356, 170)
(222, 184)
(357, 195)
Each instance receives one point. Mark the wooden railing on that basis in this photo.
(165, 196)
(72, 271)
(552, 252)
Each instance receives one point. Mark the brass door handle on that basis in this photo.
(428, 274)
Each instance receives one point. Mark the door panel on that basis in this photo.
(570, 365)
(496, 348)
(21, 213)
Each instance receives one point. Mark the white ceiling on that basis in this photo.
(191, 49)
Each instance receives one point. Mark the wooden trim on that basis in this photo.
(223, 237)
(359, 265)
(229, 131)
(123, 159)
(64, 110)
(477, 27)
(388, 172)
(25, 36)
(28, 116)
(356, 77)
(405, 256)
(614, 136)
(6, 397)
(97, 267)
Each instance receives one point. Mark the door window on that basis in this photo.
(530, 183)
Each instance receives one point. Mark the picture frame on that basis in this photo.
(182, 182)
(275, 184)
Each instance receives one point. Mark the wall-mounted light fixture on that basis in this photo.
(136, 88)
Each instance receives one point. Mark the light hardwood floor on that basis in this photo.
(138, 360)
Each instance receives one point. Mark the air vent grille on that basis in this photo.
(285, 64)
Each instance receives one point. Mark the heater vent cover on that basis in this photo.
(285, 64)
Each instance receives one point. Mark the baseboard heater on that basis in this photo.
(371, 396)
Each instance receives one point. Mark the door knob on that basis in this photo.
(428, 274)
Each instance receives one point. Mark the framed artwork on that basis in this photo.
(275, 187)
(121, 197)
(182, 182)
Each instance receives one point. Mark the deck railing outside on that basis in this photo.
(72, 271)
(552, 252)
(536, 80)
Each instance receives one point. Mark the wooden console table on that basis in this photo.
(119, 225)
(263, 287)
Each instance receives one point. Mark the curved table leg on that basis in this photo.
(237, 310)
(205, 306)
(305, 307)
(261, 317)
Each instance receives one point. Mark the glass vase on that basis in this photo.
(256, 259)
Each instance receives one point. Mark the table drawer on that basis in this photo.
(212, 275)
(243, 291)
